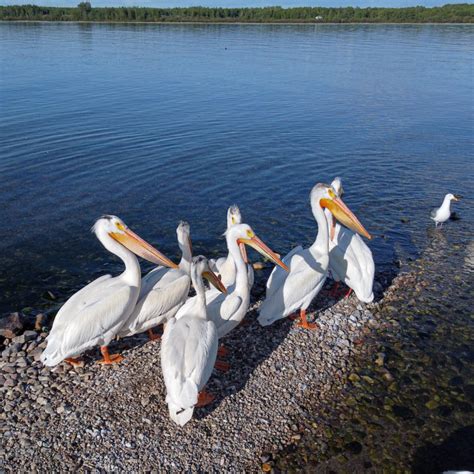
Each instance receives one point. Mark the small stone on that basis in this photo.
(39, 321)
(19, 339)
(354, 378)
(380, 360)
(30, 335)
(431, 405)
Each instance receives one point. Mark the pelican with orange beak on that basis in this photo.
(292, 291)
(96, 313)
(228, 310)
(350, 259)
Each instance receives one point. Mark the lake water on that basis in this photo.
(157, 123)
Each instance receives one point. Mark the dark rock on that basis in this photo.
(11, 325)
(403, 412)
(354, 447)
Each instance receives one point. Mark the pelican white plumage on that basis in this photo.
(443, 213)
(164, 290)
(189, 350)
(225, 267)
(308, 268)
(228, 310)
(95, 314)
(350, 259)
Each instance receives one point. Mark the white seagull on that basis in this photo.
(94, 315)
(443, 213)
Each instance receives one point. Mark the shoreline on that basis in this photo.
(362, 392)
(283, 23)
(120, 417)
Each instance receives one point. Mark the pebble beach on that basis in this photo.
(115, 418)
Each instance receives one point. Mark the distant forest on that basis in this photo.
(459, 13)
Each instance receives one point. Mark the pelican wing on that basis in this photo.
(278, 275)
(296, 290)
(221, 309)
(188, 354)
(92, 317)
(152, 279)
(159, 304)
(352, 261)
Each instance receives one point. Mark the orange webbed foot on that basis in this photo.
(75, 361)
(306, 325)
(223, 351)
(222, 366)
(303, 322)
(109, 359)
(204, 398)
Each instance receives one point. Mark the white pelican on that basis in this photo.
(189, 350)
(442, 214)
(95, 314)
(163, 292)
(228, 310)
(225, 266)
(289, 292)
(350, 259)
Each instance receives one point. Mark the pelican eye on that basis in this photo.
(233, 220)
(332, 194)
(120, 226)
(250, 234)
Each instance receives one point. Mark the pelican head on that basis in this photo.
(200, 267)
(114, 227)
(337, 186)
(324, 196)
(183, 231)
(244, 235)
(233, 216)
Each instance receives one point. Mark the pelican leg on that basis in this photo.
(223, 351)
(109, 359)
(204, 398)
(222, 366)
(348, 293)
(74, 361)
(303, 322)
(152, 336)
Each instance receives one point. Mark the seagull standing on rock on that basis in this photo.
(442, 214)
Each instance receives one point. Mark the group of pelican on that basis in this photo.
(193, 326)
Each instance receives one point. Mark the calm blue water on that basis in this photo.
(157, 123)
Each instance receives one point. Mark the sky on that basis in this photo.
(240, 3)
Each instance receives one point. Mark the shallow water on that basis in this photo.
(157, 123)
(409, 405)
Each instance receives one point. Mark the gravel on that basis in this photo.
(114, 418)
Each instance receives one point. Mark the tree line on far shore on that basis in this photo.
(456, 13)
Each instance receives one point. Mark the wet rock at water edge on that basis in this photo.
(11, 325)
